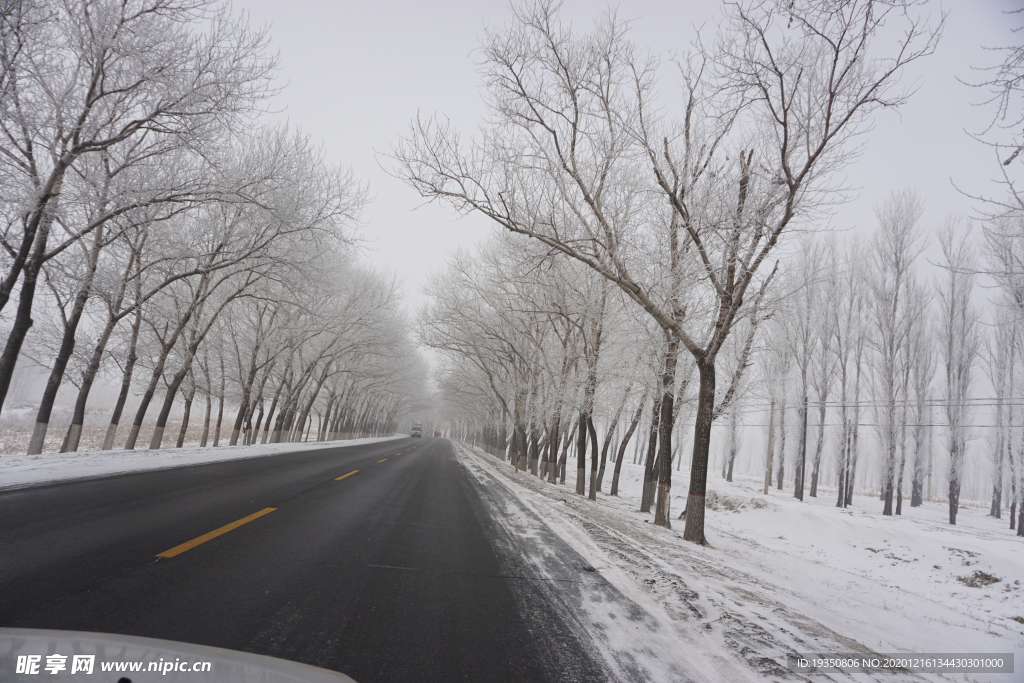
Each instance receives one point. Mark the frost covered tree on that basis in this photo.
(960, 346)
(96, 78)
(579, 154)
(896, 307)
(1004, 263)
(848, 326)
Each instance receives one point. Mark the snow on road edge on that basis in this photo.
(20, 471)
(710, 602)
(656, 651)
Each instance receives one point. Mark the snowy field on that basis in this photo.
(17, 470)
(781, 576)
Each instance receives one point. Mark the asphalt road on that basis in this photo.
(389, 574)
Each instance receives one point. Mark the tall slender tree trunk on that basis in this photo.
(67, 347)
(844, 461)
(648, 493)
(534, 449)
(593, 458)
(625, 442)
(782, 442)
(206, 419)
(954, 491)
(126, 380)
(771, 446)
(74, 434)
(158, 371)
(694, 530)
(563, 460)
(604, 459)
(798, 487)
(243, 410)
(733, 441)
(43, 217)
(553, 451)
(220, 405)
(608, 435)
(273, 403)
(661, 511)
(581, 455)
(818, 446)
(191, 394)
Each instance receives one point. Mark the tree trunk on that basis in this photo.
(694, 530)
(165, 410)
(184, 418)
(844, 461)
(954, 498)
(604, 458)
(782, 442)
(534, 449)
(733, 441)
(771, 446)
(899, 484)
(154, 380)
(74, 434)
(592, 494)
(622, 446)
(67, 347)
(819, 443)
(126, 381)
(29, 279)
(851, 478)
(647, 496)
(798, 487)
(243, 409)
(564, 459)
(220, 406)
(553, 451)
(581, 455)
(662, 513)
(273, 403)
(206, 420)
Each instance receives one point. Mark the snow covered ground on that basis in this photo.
(18, 470)
(781, 576)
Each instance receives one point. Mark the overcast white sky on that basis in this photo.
(357, 72)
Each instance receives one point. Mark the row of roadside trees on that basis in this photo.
(159, 234)
(676, 206)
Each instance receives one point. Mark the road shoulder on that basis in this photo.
(631, 632)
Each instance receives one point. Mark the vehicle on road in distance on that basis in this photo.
(417, 431)
(437, 433)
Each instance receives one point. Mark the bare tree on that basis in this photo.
(923, 363)
(85, 77)
(961, 342)
(894, 312)
(849, 302)
(574, 122)
(1004, 133)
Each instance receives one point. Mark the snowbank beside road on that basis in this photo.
(17, 471)
(789, 577)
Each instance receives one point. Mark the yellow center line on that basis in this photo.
(385, 459)
(345, 475)
(179, 549)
